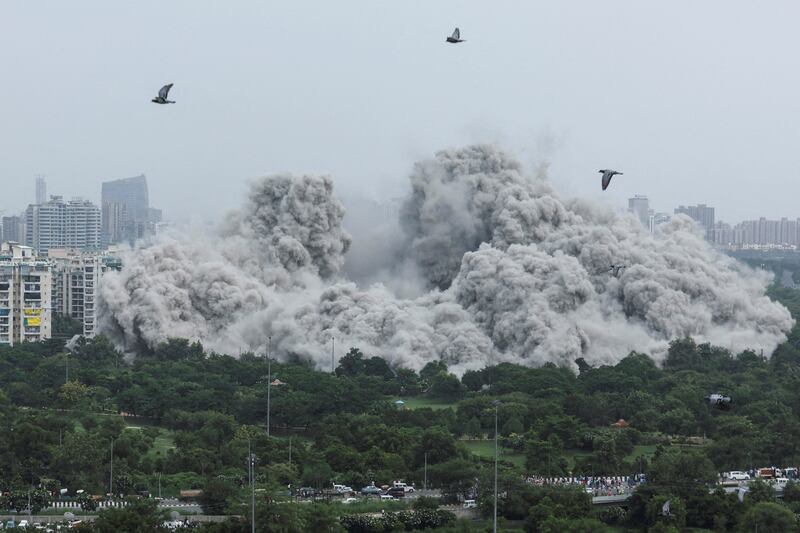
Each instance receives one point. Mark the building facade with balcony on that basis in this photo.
(75, 281)
(25, 295)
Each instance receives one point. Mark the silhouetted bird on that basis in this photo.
(607, 175)
(162, 95)
(456, 37)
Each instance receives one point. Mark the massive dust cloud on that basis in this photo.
(505, 270)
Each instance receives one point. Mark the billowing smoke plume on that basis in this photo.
(514, 273)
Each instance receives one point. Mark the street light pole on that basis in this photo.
(496, 404)
(333, 355)
(111, 474)
(252, 475)
(425, 475)
(269, 379)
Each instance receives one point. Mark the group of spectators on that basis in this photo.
(594, 485)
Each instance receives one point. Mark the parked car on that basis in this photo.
(386, 497)
(306, 492)
(738, 476)
(371, 490)
(350, 500)
(397, 492)
(402, 485)
(342, 489)
(469, 504)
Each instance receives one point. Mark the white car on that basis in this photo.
(350, 500)
(738, 476)
(23, 523)
(387, 497)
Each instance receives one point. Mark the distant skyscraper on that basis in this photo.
(115, 217)
(127, 215)
(41, 190)
(702, 214)
(13, 229)
(56, 224)
(639, 206)
(131, 192)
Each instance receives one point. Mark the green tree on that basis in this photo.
(768, 517)
(760, 491)
(512, 425)
(216, 496)
(139, 516)
(352, 364)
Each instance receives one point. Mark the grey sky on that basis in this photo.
(695, 101)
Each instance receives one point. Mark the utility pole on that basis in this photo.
(66, 368)
(290, 449)
(425, 475)
(111, 475)
(269, 379)
(251, 478)
(333, 355)
(496, 404)
(159, 485)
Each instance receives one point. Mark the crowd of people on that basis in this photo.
(594, 485)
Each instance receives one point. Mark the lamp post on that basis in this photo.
(496, 403)
(269, 379)
(111, 474)
(425, 475)
(252, 475)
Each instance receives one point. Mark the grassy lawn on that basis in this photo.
(418, 402)
(164, 441)
(485, 448)
(647, 451)
(573, 455)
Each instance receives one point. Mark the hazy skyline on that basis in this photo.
(694, 102)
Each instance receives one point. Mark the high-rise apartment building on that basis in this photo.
(702, 214)
(25, 295)
(59, 224)
(131, 192)
(766, 232)
(75, 281)
(127, 215)
(13, 229)
(41, 190)
(639, 206)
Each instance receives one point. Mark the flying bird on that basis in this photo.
(456, 37)
(163, 94)
(607, 175)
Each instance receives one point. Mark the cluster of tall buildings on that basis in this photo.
(123, 217)
(34, 289)
(760, 233)
(53, 255)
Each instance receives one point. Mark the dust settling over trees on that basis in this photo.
(511, 273)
